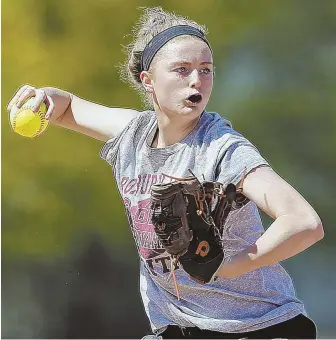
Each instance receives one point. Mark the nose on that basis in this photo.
(195, 79)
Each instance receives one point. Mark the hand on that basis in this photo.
(27, 91)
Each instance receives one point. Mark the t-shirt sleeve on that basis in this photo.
(237, 160)
(109, 150)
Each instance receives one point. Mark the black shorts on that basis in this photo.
(299, 327)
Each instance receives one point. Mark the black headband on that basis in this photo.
(163, 37)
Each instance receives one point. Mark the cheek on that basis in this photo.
(208, 84)
(161, 83)
(168, 85)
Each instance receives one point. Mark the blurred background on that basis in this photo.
(69, 265)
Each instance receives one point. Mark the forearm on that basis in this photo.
(77, 114)
(80, 115)
(287, 236)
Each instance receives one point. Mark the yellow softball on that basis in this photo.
(27, 123)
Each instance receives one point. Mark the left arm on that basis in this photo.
(296, 225)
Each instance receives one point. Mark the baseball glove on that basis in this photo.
(188, 216)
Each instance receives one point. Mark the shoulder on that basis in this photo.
(234, 154)
(136, 129)
(212, 121)
(219, 131)
(142, 120)
(137, 126)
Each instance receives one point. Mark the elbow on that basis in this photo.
(319, 231)
(316, 229)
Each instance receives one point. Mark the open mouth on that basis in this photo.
(194, 99)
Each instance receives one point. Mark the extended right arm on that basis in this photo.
(74, 113)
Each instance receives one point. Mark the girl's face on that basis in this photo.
(182, 78)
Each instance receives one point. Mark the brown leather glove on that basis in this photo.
(188, 217)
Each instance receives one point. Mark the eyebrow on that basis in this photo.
(188, 62)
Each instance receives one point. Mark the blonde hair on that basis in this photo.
(153, 21)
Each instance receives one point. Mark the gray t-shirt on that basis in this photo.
(254, 300)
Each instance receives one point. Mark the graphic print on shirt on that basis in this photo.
(138, 213)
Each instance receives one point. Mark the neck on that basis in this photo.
(172, 130)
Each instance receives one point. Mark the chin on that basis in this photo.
(189, 112)
(193, 111)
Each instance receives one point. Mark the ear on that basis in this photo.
(146, 80)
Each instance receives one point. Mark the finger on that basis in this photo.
(26, 94)
(12, 113)
(40, 97)
(17, 95)
(50, 105)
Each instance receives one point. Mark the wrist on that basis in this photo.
(61, 99)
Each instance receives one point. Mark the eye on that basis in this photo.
(206, 70)
(181, 69)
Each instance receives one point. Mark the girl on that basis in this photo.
(170, 62)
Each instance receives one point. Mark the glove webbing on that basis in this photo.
(199, 200)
